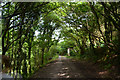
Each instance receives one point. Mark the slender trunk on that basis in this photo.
(82, 47)
(29, 53)
(111, 29)
(78, 43)
(25, 66)
(12, 56)
(3, 48)
(4, 32)
(42, 61)
(107, 29)
(91, 43)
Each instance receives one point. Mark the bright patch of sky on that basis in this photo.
(56, 34)
(0, 13)
(67, 24)
(61, 40)
(72, 1)
(36, 33)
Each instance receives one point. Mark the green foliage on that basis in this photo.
(53, 50)
(90, 30)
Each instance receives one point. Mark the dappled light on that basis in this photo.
(60, 39)
(62, 68)
(104, 72)
(66, 68)
(57, 62)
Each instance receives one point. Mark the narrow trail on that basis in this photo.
(67, 68)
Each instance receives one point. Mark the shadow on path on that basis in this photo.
(66, 68)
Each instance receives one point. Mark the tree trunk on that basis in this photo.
(29, 53)
(42, 61)
(91, 43)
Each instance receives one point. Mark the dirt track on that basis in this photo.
(67, 68)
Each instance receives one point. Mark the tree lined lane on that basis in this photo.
(66, 68)
(33, 33)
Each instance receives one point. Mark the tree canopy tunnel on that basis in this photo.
(33, 33)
